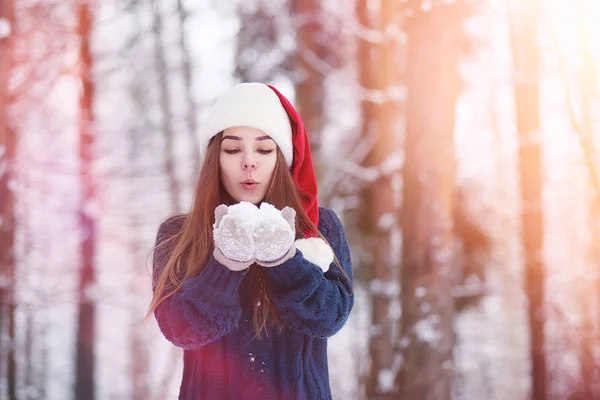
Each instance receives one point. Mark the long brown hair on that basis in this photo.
(193, 245)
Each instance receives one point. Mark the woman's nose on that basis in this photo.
(248, 164)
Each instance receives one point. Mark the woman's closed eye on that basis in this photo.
(265, 151)
(261, 151)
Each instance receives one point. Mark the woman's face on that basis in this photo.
(246, 161)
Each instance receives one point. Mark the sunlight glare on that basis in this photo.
(577, 27)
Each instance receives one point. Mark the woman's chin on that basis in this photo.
(254, 199)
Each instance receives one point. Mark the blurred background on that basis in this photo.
(457, 141)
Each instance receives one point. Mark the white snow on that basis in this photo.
(389, 289)
(426, 5)
(424, 307)
(385, 380)
(268, 213)
(246, 210)
(427, 330)
(386, 221)
(5, 28)
(404, 342)
(395, 310)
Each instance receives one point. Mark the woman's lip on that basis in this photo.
(249, 185)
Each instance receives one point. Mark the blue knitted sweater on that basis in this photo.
(211, 319)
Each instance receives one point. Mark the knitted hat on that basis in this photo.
(263, 107)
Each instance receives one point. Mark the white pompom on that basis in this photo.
(317, 251)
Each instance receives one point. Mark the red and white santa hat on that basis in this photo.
(263, 107)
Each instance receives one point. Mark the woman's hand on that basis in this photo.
(233, 236)
(274, 235)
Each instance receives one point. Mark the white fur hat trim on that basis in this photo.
(317, 251)
(250, 104)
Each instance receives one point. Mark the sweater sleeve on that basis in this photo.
(309, 301)
(207, 305)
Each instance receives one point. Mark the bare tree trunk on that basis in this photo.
(428, 246)
(379, 74)
(29, 340)
(586, 348)
(524, 30)
(165, 105)
(44, 367)
(85, 357)
(8, 146)
(29, 369)
(187, 77)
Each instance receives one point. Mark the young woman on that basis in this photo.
(255, 278)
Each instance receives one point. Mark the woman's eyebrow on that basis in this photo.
(239, 138)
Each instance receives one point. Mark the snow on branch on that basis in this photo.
(5, 28)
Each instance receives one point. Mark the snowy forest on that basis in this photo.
(458, 141)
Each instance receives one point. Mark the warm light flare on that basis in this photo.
(576, 25)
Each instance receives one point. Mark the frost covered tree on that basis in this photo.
(378, 64)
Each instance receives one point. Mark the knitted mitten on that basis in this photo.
(274, 235)
(232, 234)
